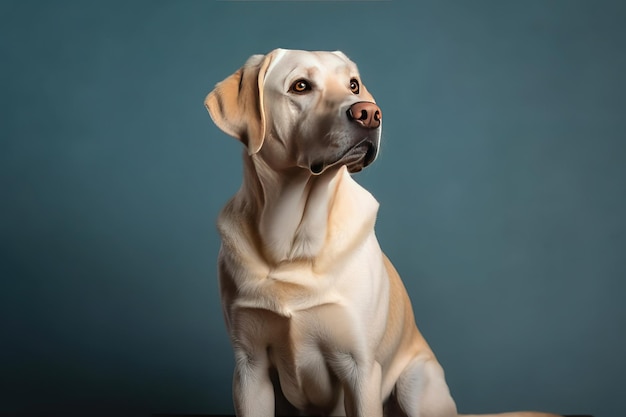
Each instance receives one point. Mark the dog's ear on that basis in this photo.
(341, 55)
(236, 104)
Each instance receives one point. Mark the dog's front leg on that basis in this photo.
(253, 392)
(362, 396)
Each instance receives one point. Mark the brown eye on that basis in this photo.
(301, 86)
(354, 86)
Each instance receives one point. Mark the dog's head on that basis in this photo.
(300, 109)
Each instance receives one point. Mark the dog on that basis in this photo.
(319, 320)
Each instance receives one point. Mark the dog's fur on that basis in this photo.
(319, 319)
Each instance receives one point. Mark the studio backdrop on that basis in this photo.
(501, 179)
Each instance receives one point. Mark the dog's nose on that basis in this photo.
(366, 114)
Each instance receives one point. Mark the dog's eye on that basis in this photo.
(300, 86)
(354, 86)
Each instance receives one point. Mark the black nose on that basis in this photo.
(366, 114)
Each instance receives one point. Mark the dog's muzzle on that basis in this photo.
(368, 116)
(355, 158)
(365, 118)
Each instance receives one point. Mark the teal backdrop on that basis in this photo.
(502, 183)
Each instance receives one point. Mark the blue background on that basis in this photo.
(501, 181)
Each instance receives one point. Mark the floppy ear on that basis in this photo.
(236, 104)
(342, 55)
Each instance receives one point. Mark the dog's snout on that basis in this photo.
(366, 114)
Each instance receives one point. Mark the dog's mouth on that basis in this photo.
(355, 158)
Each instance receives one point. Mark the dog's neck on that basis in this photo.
(299, 216)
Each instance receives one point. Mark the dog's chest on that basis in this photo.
(308, 352)
(285, 290)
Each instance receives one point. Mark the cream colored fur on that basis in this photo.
(319, 319)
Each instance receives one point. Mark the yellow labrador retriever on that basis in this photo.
(319, 320)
